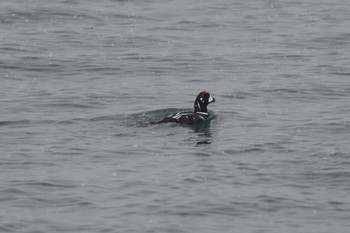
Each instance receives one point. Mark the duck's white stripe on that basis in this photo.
(210, 99)
(198, 105)
(177, 115)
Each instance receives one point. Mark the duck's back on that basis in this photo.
(188, 118)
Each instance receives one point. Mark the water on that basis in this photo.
(80, 80)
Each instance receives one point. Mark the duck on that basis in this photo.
(199, 114)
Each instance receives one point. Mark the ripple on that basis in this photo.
(14, 123)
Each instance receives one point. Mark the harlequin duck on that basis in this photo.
(189, 118)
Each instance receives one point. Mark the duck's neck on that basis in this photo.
(199, 108)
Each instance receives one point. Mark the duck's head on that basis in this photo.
(203, 99)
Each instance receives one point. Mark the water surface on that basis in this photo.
(80, 80)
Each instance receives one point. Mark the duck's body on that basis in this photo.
(199, 114)
(188, 118)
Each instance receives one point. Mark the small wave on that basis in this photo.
(340, 73)
(47, 184)
(15, 122)
(7, 193)
(243, 151)
(237, 95)
(25, 122)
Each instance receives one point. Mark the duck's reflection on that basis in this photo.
(203, 133)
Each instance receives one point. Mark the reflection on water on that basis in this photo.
(203, 132)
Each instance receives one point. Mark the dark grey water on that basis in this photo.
(80, 80)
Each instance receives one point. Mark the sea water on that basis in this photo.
(81, 80)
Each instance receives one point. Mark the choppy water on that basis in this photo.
(80, 80)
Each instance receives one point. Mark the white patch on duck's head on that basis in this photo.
(211, 99)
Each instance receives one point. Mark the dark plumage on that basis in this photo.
(199, 114)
